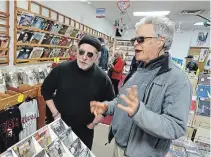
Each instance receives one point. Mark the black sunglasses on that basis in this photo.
(89, 54)
(140, 39)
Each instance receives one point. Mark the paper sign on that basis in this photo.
(100, 12)
(20, 98)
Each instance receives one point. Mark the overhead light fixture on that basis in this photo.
(199, 24)
(151, 13)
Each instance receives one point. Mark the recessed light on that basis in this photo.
(151, 13)
(199, 24)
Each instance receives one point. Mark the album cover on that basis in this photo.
(67, 137)
(55, 40)
(55, 53)
(76, 148)
(38, 22)
(80, 34)
(7, 154)
(47, 39)
(64, 53)
(43, 137)
(69, 42)
(63, 29)
(63, 41)
(25, 36)
(61, 53)
(37, 38)
(4, 41)
(46, 52)
(26, 148)
(58, 127)
(203, 107)
(74, 33)
(56, 27)
(69, 31)
(47, 26)
(55, 149)
(25, 19)
(41, 154)
(36, 52)
(24, 52)
(85, 153)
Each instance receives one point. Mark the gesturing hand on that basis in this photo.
(131, 99)
(98, 107)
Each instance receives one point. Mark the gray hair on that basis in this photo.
(162, 26)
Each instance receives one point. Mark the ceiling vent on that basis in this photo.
(191, 12)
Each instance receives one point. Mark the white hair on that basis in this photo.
(162, 27)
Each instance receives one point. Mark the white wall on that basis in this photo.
(182, 41)
(83, 13)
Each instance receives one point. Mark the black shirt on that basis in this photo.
(10, 127)
(75, 89)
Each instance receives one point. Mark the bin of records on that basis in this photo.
(53, 140)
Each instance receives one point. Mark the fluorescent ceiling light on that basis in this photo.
(199, 24)
(151, 13)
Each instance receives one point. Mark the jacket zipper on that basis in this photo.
(148, 94)
(156, 145)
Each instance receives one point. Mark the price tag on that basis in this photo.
(58, 59)
(202, 79)
(20, 98)
(54, 60)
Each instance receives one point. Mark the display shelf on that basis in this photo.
(13, 100)
(4, 48)
(4, 33)
(39, 59)
(42, 45)
(39, 13)
(46, 32)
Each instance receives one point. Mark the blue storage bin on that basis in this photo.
(203, 90)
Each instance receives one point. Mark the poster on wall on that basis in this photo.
(203, 55)
(177, 61)
(195, 57)
(202, 38)
(100, 12)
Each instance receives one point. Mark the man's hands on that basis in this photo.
(95, 122)
(131, 100)
(98, 108)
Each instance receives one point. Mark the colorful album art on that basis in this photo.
(25, 19)
(38, 22)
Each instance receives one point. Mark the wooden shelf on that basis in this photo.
(39, 59)
(46, 32)
(4, 48)
(42, 45)
(13, 100)
(4, 32)
(3, 25)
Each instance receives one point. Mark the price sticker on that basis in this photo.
(20, 98)
(58, 59)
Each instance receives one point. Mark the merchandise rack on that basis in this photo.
(4, 18)
(13, 99)
(66, 21)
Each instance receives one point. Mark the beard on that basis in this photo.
(86, 66)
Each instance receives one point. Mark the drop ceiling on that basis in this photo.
(175, 8)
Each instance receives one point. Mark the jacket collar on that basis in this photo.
(162, 61)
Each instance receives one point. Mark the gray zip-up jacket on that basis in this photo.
(165, 95)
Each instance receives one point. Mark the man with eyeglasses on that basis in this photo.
(153, 105)
(76, 84)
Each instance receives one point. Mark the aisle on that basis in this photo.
(99, 148)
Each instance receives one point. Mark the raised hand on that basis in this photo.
(131, 100)
(98, 108)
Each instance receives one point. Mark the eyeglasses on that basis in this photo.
(89, 54)
(140, 39)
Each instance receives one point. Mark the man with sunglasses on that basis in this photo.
(153, 105)
(76, 84)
